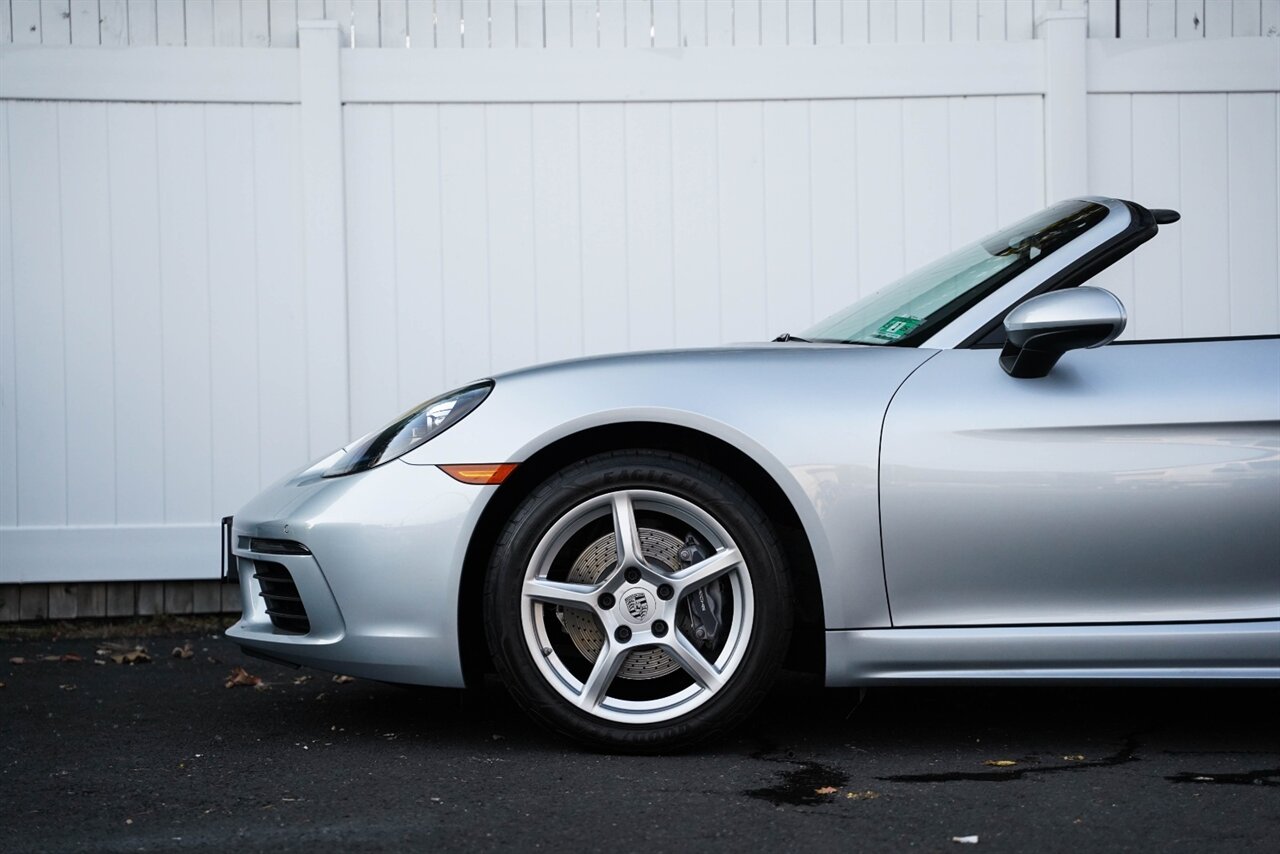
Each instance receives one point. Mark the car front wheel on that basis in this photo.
(637, 601)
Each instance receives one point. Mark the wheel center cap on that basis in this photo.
(636, 605)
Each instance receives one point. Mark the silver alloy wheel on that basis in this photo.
(632, 623)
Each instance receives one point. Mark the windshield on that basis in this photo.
(917, 305)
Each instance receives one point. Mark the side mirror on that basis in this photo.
(1040, 330)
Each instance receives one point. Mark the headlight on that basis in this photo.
(410, 430)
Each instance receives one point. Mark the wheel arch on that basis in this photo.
(807, 644)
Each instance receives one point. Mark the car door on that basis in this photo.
(1138, 482)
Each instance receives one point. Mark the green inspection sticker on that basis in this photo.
(898, 327)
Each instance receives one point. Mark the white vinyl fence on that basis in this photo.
(219, 263)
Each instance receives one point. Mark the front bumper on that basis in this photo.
(380, 584)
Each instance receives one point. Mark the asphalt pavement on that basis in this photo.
(160, 755)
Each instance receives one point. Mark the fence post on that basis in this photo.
(1066, 137)
(324, 235)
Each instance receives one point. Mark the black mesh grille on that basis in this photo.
(284, 605)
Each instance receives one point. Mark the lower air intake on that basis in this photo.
(284, 605)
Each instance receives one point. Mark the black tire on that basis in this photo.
(766, 638)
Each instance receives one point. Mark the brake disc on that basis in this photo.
(660, 548)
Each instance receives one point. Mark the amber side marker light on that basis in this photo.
(479, 473)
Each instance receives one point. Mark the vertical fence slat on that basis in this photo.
(1188, 19)
(973, 168)
(666, 23)
(925, 169)
(359, 20)
(746, 23)
(638, 22)
(910, 21)
(1133, 20)
(692, 18)
(1270, 18)
(1161, 21)
(1020, 22)
(650, 300)
(719, 23)
(828, 22)
(10, 596)
(1246, 18)
(964, 20)
(371, 255)
(800, 23)
(33, 602)
(199, 22)
(937, 22)
(280, 291)
(1254, 212)
(55, 22)
(113, 23)
(6, 26)
(511, 226)
(788, 206)
(84, 22)
(1019, 143)
(990, 20)
(855, 19)
(227, 30)
(25, 15)
(89, 313)
(184, 273)
(476, 27)
(142, 22)
(528, 24)
(8, 332)
(122, 599)
(558, 248)
(694, 220)
(1157, 275)
(1205, 225)
(882, 21)
(880, 203)
(393, 23)
(506, 18)
(465, 246)
(448, 23)
(557, 23)
(38, 313)
(420, 16)
(232, 305)
(282, 21)
(91, 599)
(832, 135)
(611, 21)
(171, 24)
(420, 331)
(1110, 135)
(602, 179)
(135, 279)
(742, 264)
(585, 26)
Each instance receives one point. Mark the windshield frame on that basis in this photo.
(1116, 227)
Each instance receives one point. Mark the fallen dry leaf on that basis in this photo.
(868, 795)
(1075, 757)
(137, 655)
(343, 680)
(70, 658)
(1000, 763)
(240, 676)
(301, 680)
(2, 685)
(48, 658)
(67, 687)
(825, 790)
(965, 840)
(17, 659)
(183, 651)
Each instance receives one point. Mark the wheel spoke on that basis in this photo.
(626, 532)
(707, 570)
(693, 663)
(560, 593)
(597, 683)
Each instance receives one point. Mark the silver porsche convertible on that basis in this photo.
(962, 478)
